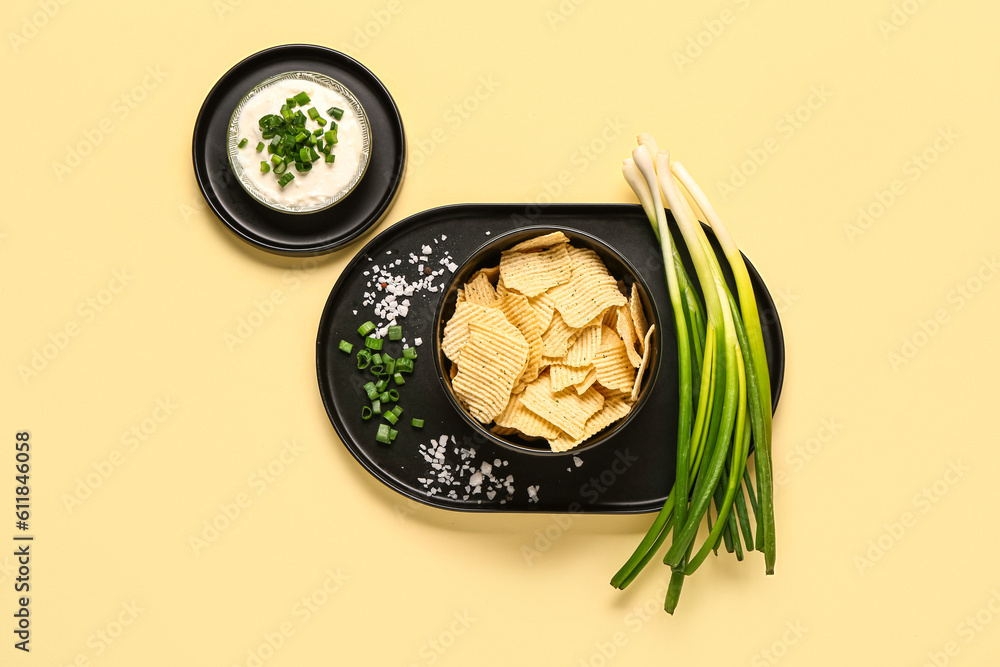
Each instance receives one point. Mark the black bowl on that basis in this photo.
(488, 255)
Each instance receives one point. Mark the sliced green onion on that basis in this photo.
(366, 328)
(384, 397)
(264, 167)
(391, 417)
(330, 157)
(302, 98)
(344, 346)
(383, 434)
(378, 370)
(398, 378)
(285, 179)
(373, 343)
(395, 332)
(394, 396)
(260, 146)
(377, 359)
(392, 434)
(336, 112)
(404, 365)
(398, 409)
(279, 166)
(390, 366)
(243, 143)
(364, 358)
(410, 352)
(417, 423)
(321, 121)
(366, 412)
(377, 406)
(313, 113)
(371, 390)
(381, 385)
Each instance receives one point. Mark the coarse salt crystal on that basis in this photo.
(577, 461)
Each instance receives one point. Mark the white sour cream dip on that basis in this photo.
(327, 182)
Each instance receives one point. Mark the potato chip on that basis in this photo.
(531, 273)
(610, 317)
(456, 331)
(585, 345)
(626, 331)
(588, 291)
(562, 376)
(646, 344)
(545, 241)
(500, 430)
(492, 274)
(453, 371)
(460, 296)
(519, 313)
(565, 409)
(480, 291)
(488, 367)
(614, 370)
(612, 410)
(638, 316)
(543, 307)
(587, 382)
(524, 421)
(612, 393)
(555, 339)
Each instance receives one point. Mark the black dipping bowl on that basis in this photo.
(488, 255)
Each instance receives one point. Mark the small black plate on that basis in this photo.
(630, 473)
(304, 234)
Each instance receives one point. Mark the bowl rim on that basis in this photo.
(652, 370)
(232, 138)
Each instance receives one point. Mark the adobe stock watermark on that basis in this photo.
(265, 308)
(580, 160)
(560, 13)
(967, 631)
(793, 633)
(300, 613)
(434, 648)
(957, 299)
(87, 310)
(921, 503)
(132, 440)
(806, 451)
(786, 127)
(900, 15)
(591, 490)
(32, 24)
(121, 109)
(99, 641)
(711, 30)
(230, 511)
(633, 622)
(451, 120)
(376, 23)
(884, 198)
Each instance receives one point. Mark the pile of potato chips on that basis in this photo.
(547, 344)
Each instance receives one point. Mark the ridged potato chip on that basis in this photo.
(488, 367)
(565, 409)
(562, 376)
(518, 312)
(480, 291)
(614, 370)
(646, 344)
(587, 382)
(532, 273)
(456, 331)
(612, 410)
(626, 330)
(589, 290)
(521, 419)
(585, 346)
(543, 307)
(544, 241)
(555, 339)
(638, 316)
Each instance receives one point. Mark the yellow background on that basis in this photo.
(869, 570)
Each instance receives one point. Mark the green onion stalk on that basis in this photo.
(723, 386)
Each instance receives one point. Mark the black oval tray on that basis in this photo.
(631, 473)
(299, 234)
